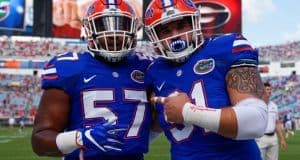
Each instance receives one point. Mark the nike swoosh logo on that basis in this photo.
(161, 86)
(90, 137)
(86, 80)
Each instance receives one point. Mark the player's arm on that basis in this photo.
(155, 128)
(49, 138)
(245, 119)
(51, 119)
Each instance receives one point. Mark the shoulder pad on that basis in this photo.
(64, 65)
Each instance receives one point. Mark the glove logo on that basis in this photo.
(90, 137)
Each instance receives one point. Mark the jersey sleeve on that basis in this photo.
(61, 71)
(242, 53)
(232, 50)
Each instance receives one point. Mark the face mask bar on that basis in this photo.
(112, 23)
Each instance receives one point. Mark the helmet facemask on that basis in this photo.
(111, 34)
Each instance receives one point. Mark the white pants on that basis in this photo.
(268, 146)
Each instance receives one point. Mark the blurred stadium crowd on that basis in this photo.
(20, 94)
(287, 51)
(43, 48)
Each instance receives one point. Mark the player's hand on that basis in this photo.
(173, 106)
(102, 137)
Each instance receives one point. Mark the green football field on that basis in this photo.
(16, 146)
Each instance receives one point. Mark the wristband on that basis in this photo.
(208, 118)
(67, 142)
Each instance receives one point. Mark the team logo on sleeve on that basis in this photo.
(137, 76)
(204, 66)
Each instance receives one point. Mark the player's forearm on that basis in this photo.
(44, 143)
(228, 123)
(222, 121)
(55, 144)
(246, 120)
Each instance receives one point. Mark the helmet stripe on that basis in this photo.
(116, 2)
(166, 3)
(110, 2)
(107, 3)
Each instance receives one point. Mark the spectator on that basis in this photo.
(22, 124)
(11, 121)
(288, 124)
(268, 144)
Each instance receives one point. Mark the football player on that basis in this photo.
(94, 104)
(211, 97)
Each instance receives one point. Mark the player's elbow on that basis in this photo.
(252, 119)
(35, 146)
(42, 145)
(251, 132)
(37, 152)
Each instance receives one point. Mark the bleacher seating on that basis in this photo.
(286, 93)
(19, 95)
(42, 48)
(289, 51)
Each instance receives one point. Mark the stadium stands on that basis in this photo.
(289, 51)
(19, 95)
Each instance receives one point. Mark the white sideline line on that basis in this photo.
(5, 140)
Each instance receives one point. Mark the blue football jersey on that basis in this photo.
(101, 91)
(202, 77)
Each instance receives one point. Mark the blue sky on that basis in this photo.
(271, 22)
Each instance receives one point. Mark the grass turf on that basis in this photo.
(16, 146)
